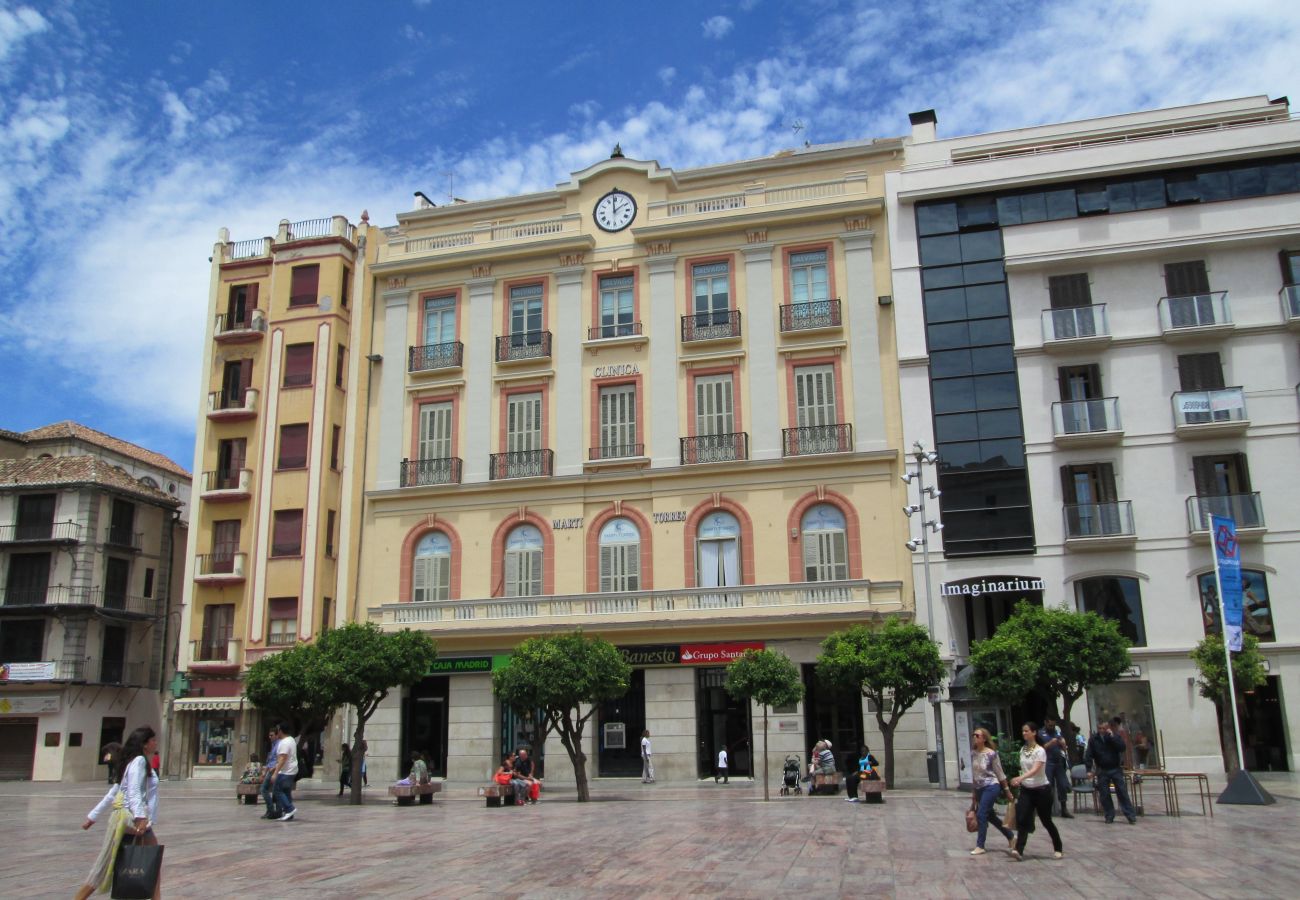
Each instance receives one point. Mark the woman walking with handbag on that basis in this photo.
(134, 803)
(989, 781)
(1035, 793)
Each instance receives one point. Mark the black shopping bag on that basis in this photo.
(136, 871)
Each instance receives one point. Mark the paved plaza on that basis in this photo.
(650, 841)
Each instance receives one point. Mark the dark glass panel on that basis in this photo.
(994, 391)
(960, 427)
(1149, 193)
(1119, 196)
(999, 522)
(1092, 199)
(985, 489)
(942, 277)
(1248, 182)
(953, 395)
(1000, 423)
(1033, 208)
(948, 337)
(949, 363)
(974, 211)
(1281, 178)
(1008, 211)
(936, 218)
(1061, 204)
(992, 359)
(948, 305)
(1118, 599)
(987, 300)
(990, 331)
(1002, 454)
(1183, 189)
(1214, 186)
(940, 251)
(977, 245)
(960, 456)
(978, 273)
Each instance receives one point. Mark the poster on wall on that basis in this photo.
(1256, 610)
(29, 704)
(31, 671)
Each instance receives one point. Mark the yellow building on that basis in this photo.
(660, 406)
(271, 506)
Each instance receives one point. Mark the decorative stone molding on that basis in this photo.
(857, 223)
(756, 236)
(482, 270)
(397, 281)
(568, 260)
(658, 248)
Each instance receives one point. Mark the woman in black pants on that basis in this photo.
(1035, 793)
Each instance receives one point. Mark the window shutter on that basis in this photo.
(440, 580)
(420, 578)
(435, 431)
(512, 574)
(1200, 372)
(1069, 291)
(245, 376)
(1242, 468)
(811, 557)
(632, 567)
(1106, 492)
(1067, 485)
(814, 396)
(607, 569)
(534, 559)
(1185, 279)
(297, 364)
(1203, 475)
(304, 285)
(838, 542)
(293, 447)
(251, 302)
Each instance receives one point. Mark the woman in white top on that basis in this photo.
(134, 803)
(1035, 793)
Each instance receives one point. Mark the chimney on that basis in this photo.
(923, 126)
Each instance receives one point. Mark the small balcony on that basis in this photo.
(521, 464)
(613, 331)
(610, 452)
(817, 315)
(710, 448)
(45, 670)
(1204, 414)
(231, 406)
(1099, 526)
(1078, 423)
(116, 671)
(124, 539)
(1290, 297)
(430, 358)
(1195, 316)
(1079, 327)
(226, 485)
(811, 439)
(214, 652)
(1247, 510)
(711, 326)
(63, 597)
(422, 472)
(523, 347)
(239, 330)
(41, 533)
(220, 568)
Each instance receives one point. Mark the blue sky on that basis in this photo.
(131, 131)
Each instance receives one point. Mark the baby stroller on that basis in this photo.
(790, 775)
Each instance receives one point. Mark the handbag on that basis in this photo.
(136, 871)
(972, 821)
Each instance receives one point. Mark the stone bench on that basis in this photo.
(824, 784)
(406, 793)
(248, 793)
(872, 791)
(494, 794)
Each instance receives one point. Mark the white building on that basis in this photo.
(1096, 336)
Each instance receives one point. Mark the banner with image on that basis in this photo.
(1227, 562)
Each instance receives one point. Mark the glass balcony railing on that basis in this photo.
(1290, 296)
(1075, 323)
(1209, 407)
(1079, 417)
(1245, 509)
(1096, 520)
(1194, 311)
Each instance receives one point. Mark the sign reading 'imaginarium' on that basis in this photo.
(1002, 585)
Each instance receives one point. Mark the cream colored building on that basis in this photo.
(659, 406)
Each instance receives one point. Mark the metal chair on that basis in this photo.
(1081, 786)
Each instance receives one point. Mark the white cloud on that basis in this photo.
(716, 27)
(667, 74)
(17, 26)
(177, 113)
(411, 33)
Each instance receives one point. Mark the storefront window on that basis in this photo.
(1257, 612)
(1116, 598)
(1131, 701)
(215, 741)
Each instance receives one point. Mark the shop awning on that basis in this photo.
(191, 704)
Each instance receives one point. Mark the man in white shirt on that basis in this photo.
(285, 772)
(647, 764)
(722, 767)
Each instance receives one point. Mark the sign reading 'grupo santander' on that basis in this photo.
(715, 654)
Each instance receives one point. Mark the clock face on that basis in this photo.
(614, 211)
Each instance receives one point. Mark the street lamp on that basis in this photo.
(922, 458)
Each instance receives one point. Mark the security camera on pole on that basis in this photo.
(923, 458)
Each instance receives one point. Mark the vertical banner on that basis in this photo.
(1227, 564)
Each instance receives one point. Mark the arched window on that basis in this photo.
(431, 568)
(1115, 597)
(620, 556)
(523, 574)
(717, 550)
(825, 550)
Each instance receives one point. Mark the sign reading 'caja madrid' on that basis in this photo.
(990, 584)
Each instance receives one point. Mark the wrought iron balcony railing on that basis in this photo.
(711, 326)
(250, 326)
(125, 539)
(810, 439)
(521, 464)
(814, 314)
(63, 595)
(707, 448)
(613, 330)
(427, 357)
(220, 566)
(441, 470)
(41, 533)
(617, 451)
(524, 345)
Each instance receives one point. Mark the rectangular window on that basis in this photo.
(808, 279)
(148, 583)
(286, 538)
(1222, 475)
(297, 364)
(293, 447)
(435, 431)
(336, 440)
(439, 320)
(326, 613)
(1186, 279)
(117, 579)
(225, 544)
(618, 421)
(1290, 260)
(218, 628)
(523, 422)
(616, 306)
(282, 621)
(35, 520)
(345, 289)
(1069, 291)
(28, 579)
(620, 567)
(1200, 372)
(304, 286)
(713, 405)
(814, 396)
(526, 314)
(330, 519)
(712, 292)
(523, 573)
(1118, 599)
(431, 577)
(231, 454)
(240, 306)
(121, 526)
(236, 379)
(340, 357)
(22, 640)
(825, 556)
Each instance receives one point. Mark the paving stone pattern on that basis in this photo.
(645, 841)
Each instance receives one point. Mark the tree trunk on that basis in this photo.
(1226, 738)
(887, 734)
(358, 757)
(766, 789)
(571, 738)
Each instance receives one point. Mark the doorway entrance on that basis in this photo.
(619, 726)
(426, 726)
(1263, 728)
(835, 716)
(721, 721)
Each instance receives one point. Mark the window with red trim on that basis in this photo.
(282, 621)
(304, 285)
(286, 535)
(297, 364)
(293, 447)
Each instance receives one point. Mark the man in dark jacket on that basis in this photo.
(1106, 757)
(1049, 737)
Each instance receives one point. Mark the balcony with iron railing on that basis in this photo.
(711, 448)
(68, 669)
(41, 533)
(523, 346)
(815, 315)
(1099, 525)
(1202, 414)
(129, 673)
(427, 358)
(1084, 422)
(607, 452)
(62, 597)
(424, 472)
(521, 464)
(220, 568)
(230, 406)
(1194, 316)
(315, 229)
(226, 485)
(1247, 510)
(251, 326)
(124, 539)
(829, 601)
(1290, 297)
(810, 439)
(1075, 328)
(612, 331)
(214, 651)
(711, 326)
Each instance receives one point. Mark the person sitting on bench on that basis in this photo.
(524, 773)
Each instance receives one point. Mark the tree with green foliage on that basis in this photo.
(1053, 651)
(769, 678)
(287, 685)
(892, 665)
(559, 674)
(1248, 673)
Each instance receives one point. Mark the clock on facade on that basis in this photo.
(614, 211)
